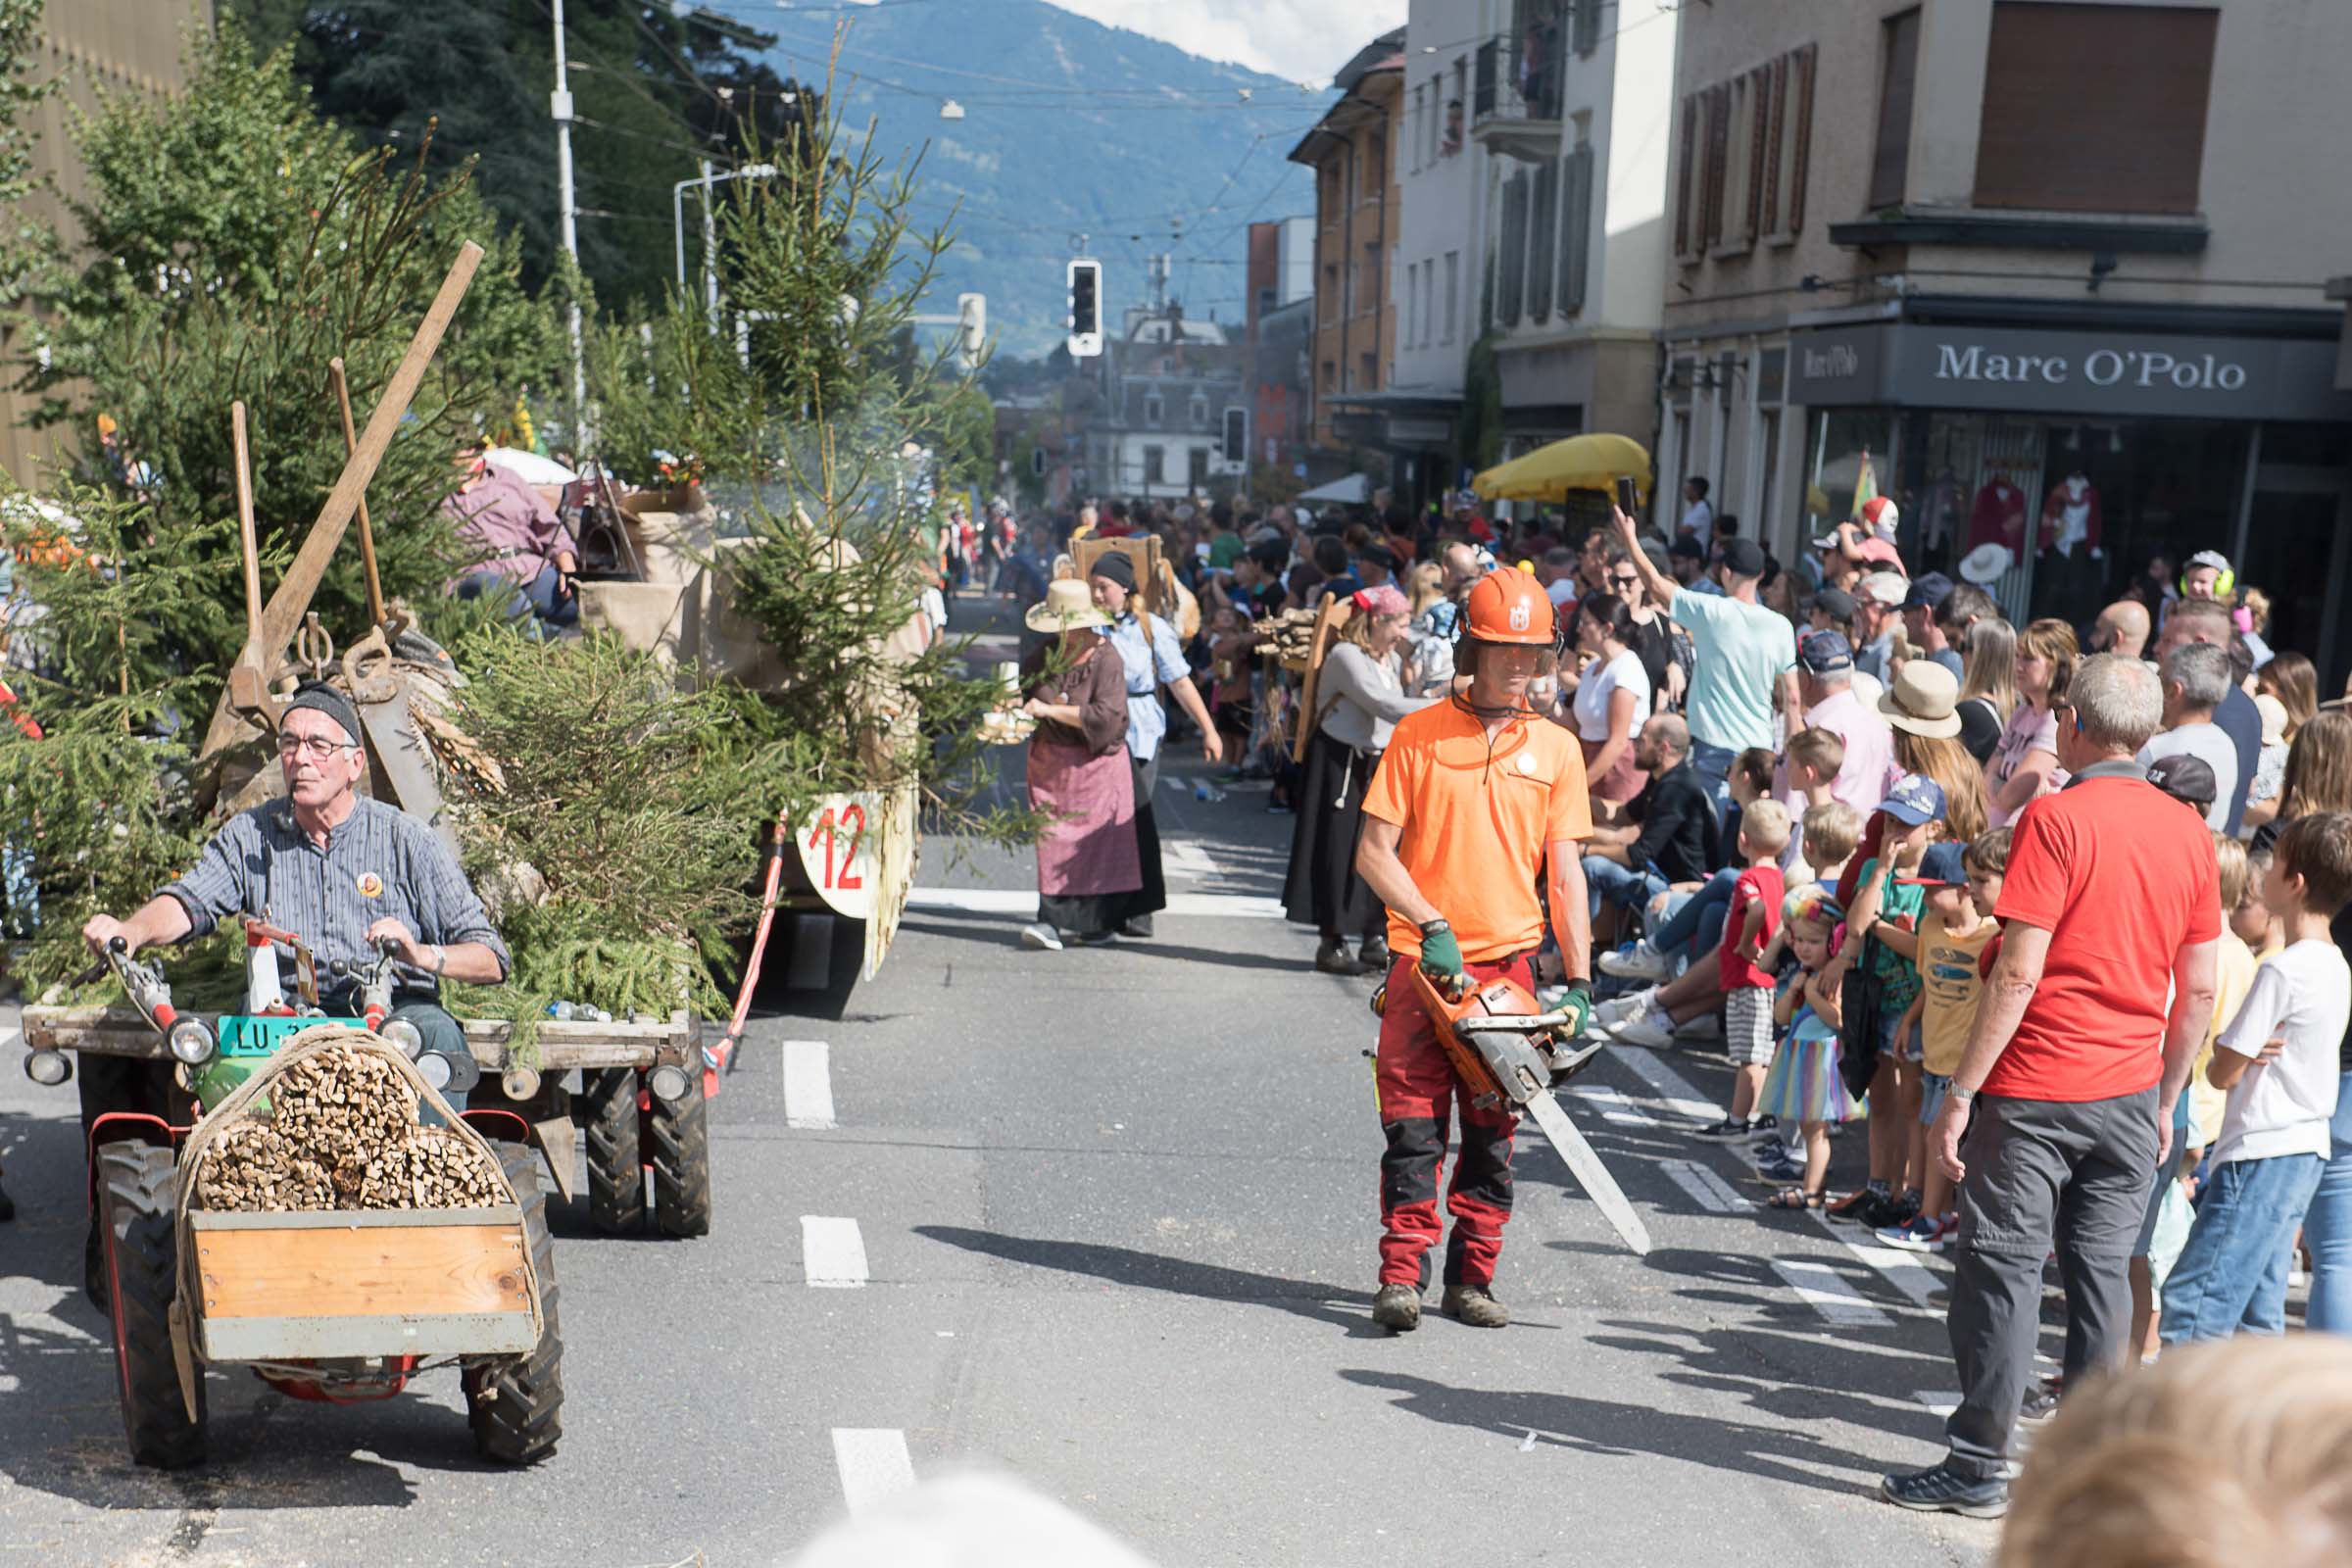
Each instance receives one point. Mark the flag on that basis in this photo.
(1866, 484)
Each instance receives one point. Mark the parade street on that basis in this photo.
(1104, 1221)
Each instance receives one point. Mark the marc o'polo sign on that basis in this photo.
(2157, 375)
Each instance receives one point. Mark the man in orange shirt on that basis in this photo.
(1475, 797)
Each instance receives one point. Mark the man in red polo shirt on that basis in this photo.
(1474, 798)
(2083, 1044)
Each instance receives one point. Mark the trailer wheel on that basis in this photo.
(516, 1406)
(681, 1136)
(616, 1168)
(138, 1184)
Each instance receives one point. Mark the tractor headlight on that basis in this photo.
(668, 1084)
(436, 1069)
(404, 1033)
(48, 1068)
(191, 1041)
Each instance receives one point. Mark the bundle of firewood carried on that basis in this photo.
(341, 1133)
(1292, 635)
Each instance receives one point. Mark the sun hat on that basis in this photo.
(1985, 564)
(1915, 799)
(1923, 700)
(2273, 718)
(1889, 588)
(1066, 607)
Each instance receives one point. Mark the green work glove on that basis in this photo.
(1442, 957)
(1578, 1006)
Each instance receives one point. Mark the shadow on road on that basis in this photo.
(1776, 1452)
(1000, 931)
(1154, 1271)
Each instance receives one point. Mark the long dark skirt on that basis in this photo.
(1322, 888)
(1153, 895)
(1084, 914)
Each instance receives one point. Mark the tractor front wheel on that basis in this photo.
(137, 1188)
(615, 1167)
(516, 1405)
(681, 1138)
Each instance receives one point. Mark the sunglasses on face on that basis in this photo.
(1627, 582)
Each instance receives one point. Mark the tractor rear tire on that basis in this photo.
(516, 1406)
(681, 1138)
(615, 1168)
(138, 1188)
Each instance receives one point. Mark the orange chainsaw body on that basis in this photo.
(1486, 999)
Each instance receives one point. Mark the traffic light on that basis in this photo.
(971, 330)
(1235, 445)
(1086, 308)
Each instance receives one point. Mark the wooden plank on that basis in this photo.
(294, 1339)
(223, 1219)
(337, 1270)
(115, 1030)
(1328, 620)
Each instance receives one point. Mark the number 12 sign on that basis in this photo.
(837, 851)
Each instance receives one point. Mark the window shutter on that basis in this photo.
(1513, 248)
(1543, 225)
(1719, 157)
(1759, 120)
(1891, 158)
(1575, 228)
(1587, 25)
(1778, 85)
(1682, 187)
(1801, 64)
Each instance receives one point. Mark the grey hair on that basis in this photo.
(2118, 702)
(2202, 672)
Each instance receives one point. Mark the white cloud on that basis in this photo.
(1298, 41)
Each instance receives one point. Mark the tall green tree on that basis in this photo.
(23, 242)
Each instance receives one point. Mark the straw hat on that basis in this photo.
(1923, 700)
(1066, 607)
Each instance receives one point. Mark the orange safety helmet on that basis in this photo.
(1508, 605)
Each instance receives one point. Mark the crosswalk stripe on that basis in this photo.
(1938, 1402)
(1825, 1290)
(1674, 1091)
(832, 1252)
(1186, 857)
(873, 1463)
(1613, 1105)
(1705, 1188)
(1896, 1266)
(808, 1084)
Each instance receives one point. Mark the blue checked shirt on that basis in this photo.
(1149, 667)
(380, 861)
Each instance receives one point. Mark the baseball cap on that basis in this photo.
(1744, 558)
(1915, 799)
(1942, 866)
(1837, 602)
(1888, 588)
(1929, 592)
(1880, 515)
(1825, 652)
(1380, 555)
(2186, 779)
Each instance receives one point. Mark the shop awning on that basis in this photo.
(1580, 462)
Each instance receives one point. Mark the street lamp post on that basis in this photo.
(677, 219)
(559, 105)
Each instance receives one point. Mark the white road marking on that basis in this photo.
(1000, 900)
(1613, 1105)
(873, 1463)
(1827, 1291)
(832, 1252)
(1938, 1402)
(808, 1084)
(1676, 1091)
(1705, 1188)
(1186, 857)
(1899, 1268)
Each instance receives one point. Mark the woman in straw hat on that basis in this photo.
(1087, 865)
(1922, 708)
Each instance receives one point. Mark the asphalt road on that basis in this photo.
(1100, 1220)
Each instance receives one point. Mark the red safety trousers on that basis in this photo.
(1417, 1092)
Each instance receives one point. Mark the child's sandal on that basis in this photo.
(1795, 1197)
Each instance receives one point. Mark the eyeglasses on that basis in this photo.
(317, 748)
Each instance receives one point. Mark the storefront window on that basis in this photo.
(1846, 444)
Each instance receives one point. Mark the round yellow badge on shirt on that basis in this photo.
(371, 886)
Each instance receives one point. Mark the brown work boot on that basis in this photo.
(1476, 1305)
(1398, 1309)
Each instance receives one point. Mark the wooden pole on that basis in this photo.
(284, 614)
(247, 541)
(350, 444)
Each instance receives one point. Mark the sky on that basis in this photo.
(1298, 40)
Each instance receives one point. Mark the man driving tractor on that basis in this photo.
(338, 870)
(1474, 798)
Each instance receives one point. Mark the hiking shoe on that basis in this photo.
(1617, 1009)
(1924, 1233)
(1725, 1131)
(1373, 954)
(1944, 1490)
(1398, 1309)
(1638, 961)
(2041, 1402)
(1475, 1306)
(1333, 957)
(1041, 937)
(1649, 1027)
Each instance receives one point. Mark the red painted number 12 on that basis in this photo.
(841, 873)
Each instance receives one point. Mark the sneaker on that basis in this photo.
(1639, 962)
(1649, 1027)
(1780, 1172)
(1617, 1009)
(1853, 1204)
(1899, 1212)
(1139, 928)
(1925, 1234)
(1475, 1306)
(2041, 1402)
(1398, 1309)
(1707, 1027)
(1725, 1131)
(1764, 1124)
(1944, 1490)
(1042, 936)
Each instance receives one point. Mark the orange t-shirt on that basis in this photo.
(1476, 817)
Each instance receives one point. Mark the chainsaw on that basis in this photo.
(1509, 1051)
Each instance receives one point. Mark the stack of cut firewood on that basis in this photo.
(1292, 635)
(341, 1132)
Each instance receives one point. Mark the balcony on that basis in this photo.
(1515, 93)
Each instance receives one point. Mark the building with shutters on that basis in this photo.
(2051, 274)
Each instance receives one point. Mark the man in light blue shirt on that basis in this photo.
(1152, 660)
(1740, 653)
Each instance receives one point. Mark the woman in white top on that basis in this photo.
(1612, 699)
(1360, 697)
(2025, 762)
